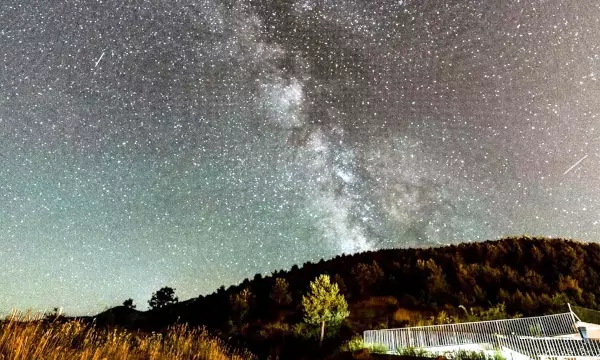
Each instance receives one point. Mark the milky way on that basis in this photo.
(195, 143)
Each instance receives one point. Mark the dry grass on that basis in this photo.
(26, 337)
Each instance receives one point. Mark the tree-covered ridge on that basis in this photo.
(530, 275)
(398, 287)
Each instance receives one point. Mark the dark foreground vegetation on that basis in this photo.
(383, 289)
(29, 337)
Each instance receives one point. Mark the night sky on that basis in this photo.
(194, 143)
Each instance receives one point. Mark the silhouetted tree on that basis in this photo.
(54, 315)
(129, 304)
(163, 297)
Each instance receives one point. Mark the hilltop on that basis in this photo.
(391, 288)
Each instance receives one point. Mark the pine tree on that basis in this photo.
(324, 304)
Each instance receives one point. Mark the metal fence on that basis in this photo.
(541, 337)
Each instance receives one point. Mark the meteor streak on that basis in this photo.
(98, 62)
(574, 165)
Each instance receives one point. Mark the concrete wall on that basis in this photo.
(593, 330)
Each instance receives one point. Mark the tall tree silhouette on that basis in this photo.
(129, 303)
(163, 297)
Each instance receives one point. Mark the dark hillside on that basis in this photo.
(521, 272)
(395, 287)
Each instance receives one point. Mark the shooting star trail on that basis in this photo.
(98, 62)
(574, 165)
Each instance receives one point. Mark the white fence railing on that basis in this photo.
(533, 337)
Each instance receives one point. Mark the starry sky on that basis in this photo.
(194, 143)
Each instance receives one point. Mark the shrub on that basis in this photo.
(413, 351)
(473, 355)
(357, 343)
(378, 349)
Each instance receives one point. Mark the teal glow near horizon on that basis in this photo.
(193, 144)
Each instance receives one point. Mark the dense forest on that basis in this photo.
(389, 288)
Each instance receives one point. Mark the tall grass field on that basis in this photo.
(31, 337)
